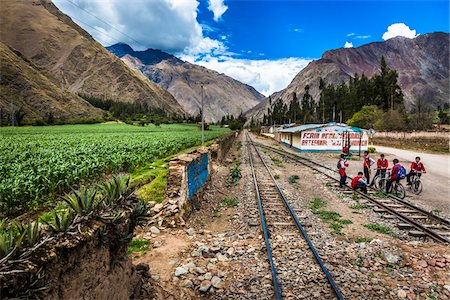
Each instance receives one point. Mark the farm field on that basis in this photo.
(37, 163)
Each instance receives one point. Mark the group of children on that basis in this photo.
(362, 180)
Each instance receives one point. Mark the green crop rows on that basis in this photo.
(38, 163)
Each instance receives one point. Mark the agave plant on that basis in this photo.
(29, 233)
(82, 202)
(60, 220)
(139, 213)
(115, 189)
(7, 243)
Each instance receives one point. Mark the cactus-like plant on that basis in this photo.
(116, 189)
(83, 201)
(60, 220)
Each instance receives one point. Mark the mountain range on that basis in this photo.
(422, 64)
(63, 61)
(222, 94)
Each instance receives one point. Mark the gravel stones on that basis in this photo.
(180, 271)
(155, 230)
(204, 286)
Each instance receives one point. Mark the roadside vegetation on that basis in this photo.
(39, 163)
(108, 202)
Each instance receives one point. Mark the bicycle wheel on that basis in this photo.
(381, 184)
(376, 180)
(400, 191)
(416, 187)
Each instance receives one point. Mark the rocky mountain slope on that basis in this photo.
(422, 64)
(71, 58)
(24, 85)
(223, 95)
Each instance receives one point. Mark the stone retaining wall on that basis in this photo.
(187, 177)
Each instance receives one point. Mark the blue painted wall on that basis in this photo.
(197, 174)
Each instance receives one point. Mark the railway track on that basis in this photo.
(296, 267)
(419, 222)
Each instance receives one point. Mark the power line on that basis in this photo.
(104, 22)
(93, 28)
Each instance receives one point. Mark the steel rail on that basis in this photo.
(300, 227)
(265, 232)
(415, 224)
(425, 212)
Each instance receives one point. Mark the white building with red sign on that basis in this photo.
(331, 137)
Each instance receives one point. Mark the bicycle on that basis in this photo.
(416, 183)
(381, 175)
(397, 189)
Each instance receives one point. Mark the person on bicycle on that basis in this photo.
(342, 165)
(382, 165)
(368, 162)
(417, 168)
(398, 172)
(358, 182)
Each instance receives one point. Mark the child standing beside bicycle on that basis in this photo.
(382, 166)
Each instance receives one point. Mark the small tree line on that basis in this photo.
(376, 102)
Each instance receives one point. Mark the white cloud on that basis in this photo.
(399, 29)
(348, 45)
(266, 76)
(362, 36)
(172, 26)
(169, 25)
(218, 8)
(351, 34)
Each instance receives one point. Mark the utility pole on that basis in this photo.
(203, 118)
(334, 112)
(13, 115)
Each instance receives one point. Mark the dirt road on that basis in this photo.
(437, 164)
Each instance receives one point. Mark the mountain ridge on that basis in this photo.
(71, 58)
(223, 95)
(420, 62)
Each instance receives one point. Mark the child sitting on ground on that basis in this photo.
(359, 182)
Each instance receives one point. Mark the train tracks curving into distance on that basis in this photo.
(290, 251)
(419, 222)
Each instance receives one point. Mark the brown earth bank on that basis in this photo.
(88, 261)
(221, 254)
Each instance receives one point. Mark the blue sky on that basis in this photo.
(261, 43)
(282, 29)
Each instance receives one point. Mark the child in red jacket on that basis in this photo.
(359, 183)
(382, 165)
(342, 165)
(417, 167)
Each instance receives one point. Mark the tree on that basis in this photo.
(366, 117)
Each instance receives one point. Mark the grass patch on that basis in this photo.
(156, 189)
(355, 197)
(238, 145)
(327, 215)
(363, 240)
(293, 179)
(379, 194)
(344, 221)
(230, 202)
(277, 162)
(276, 177)
(317, 203)
(138, 246)
(359, 206)
(333, 218)
(378, 228)
(233, 178)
